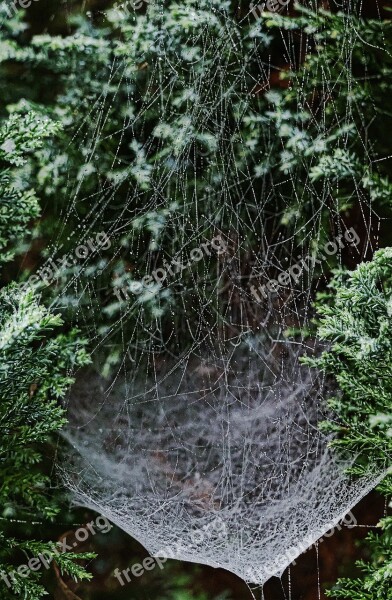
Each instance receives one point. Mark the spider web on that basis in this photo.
(208, 416)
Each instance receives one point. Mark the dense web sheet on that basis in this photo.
(221, 464)
(204, 444)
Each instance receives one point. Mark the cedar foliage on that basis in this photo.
(356, 320)
(36, 366)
